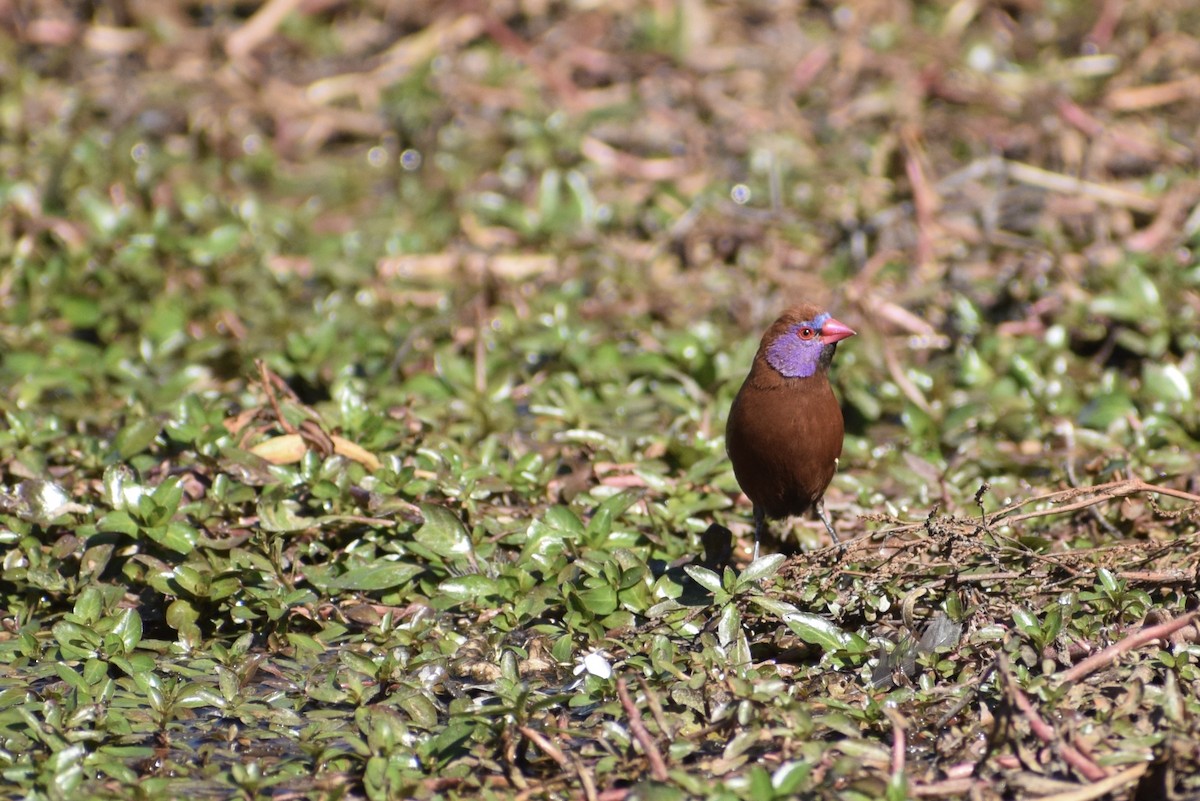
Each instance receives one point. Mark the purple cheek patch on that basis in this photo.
(794, 357)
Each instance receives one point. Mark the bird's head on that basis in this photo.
(803, 341)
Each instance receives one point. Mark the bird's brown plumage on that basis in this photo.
(784, 434)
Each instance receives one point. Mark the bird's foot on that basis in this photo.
(821, 513)
(760, 530)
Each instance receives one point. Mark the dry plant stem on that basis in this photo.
(548, 748)
(969, 694)
(909, 389)
(369, 521)
(616, 794)
(925, 199)
(1068, 185)
(947, 787)
(443, 36)
(1156, 576)
(586, 780)
(555, 79)
(1170, 216)
(1113, 489)
(1046, 733)
(260, 27)
(657, 766)
(1057, 564)
(996, 166)
(899, 741)
(1133, 641)
(1075, 483)
(1102, 787)
(1135, 98)
(312, 432)
(510, 747)
(655, 708)
(268, 383)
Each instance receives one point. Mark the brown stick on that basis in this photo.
(1100, 493)
(1088, 792)
(268, 384)
(586, 779)
(260, 27)
(548, 748)
(946, 787)
(1046, 733)
(658, 767)
(899, 741)
(655, 708)
(1070, 185)
(1133, 641)
(925, 198)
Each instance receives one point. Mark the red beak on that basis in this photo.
(833, 331)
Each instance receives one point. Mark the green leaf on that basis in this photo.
(360, 663)
(1137, 299)
(600, 526)
(182, 617)
(136, 437)
(1166, 383)
(897, 787)
(760, 786)
(450, 739)
(1026, 622)
(774, 605)
(368, 578)
(420, 710)
(72, 677)
(66, 768)
(120, 522)
(789, 777)
(168, 495)
(729, 624)
(128, 629)
(75, 641)
(761, 568)
(220, 242)
(1108, 582)
(704, 577)
(464, 588)
(599, 601)
(1103, 410)
(564, 521)
(80, 311)
(443, 532)
(89, 606)
(279, 514)
(191, 581)
(179, 537)
(816, 630)
(618, 504)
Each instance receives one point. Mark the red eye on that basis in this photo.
(806, 333)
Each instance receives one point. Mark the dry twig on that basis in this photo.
(658, 767)
(1045, 732)
(1133, 641)
(1101, 493)
(548, 748)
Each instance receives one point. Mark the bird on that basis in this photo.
(785, 428)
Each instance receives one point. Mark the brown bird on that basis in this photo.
(784, 434)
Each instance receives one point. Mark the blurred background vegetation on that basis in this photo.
(521, 252)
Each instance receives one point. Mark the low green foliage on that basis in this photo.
(363, 447)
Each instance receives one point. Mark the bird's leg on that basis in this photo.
(821, 513)
(760, 528)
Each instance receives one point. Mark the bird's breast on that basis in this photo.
(784, 442)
